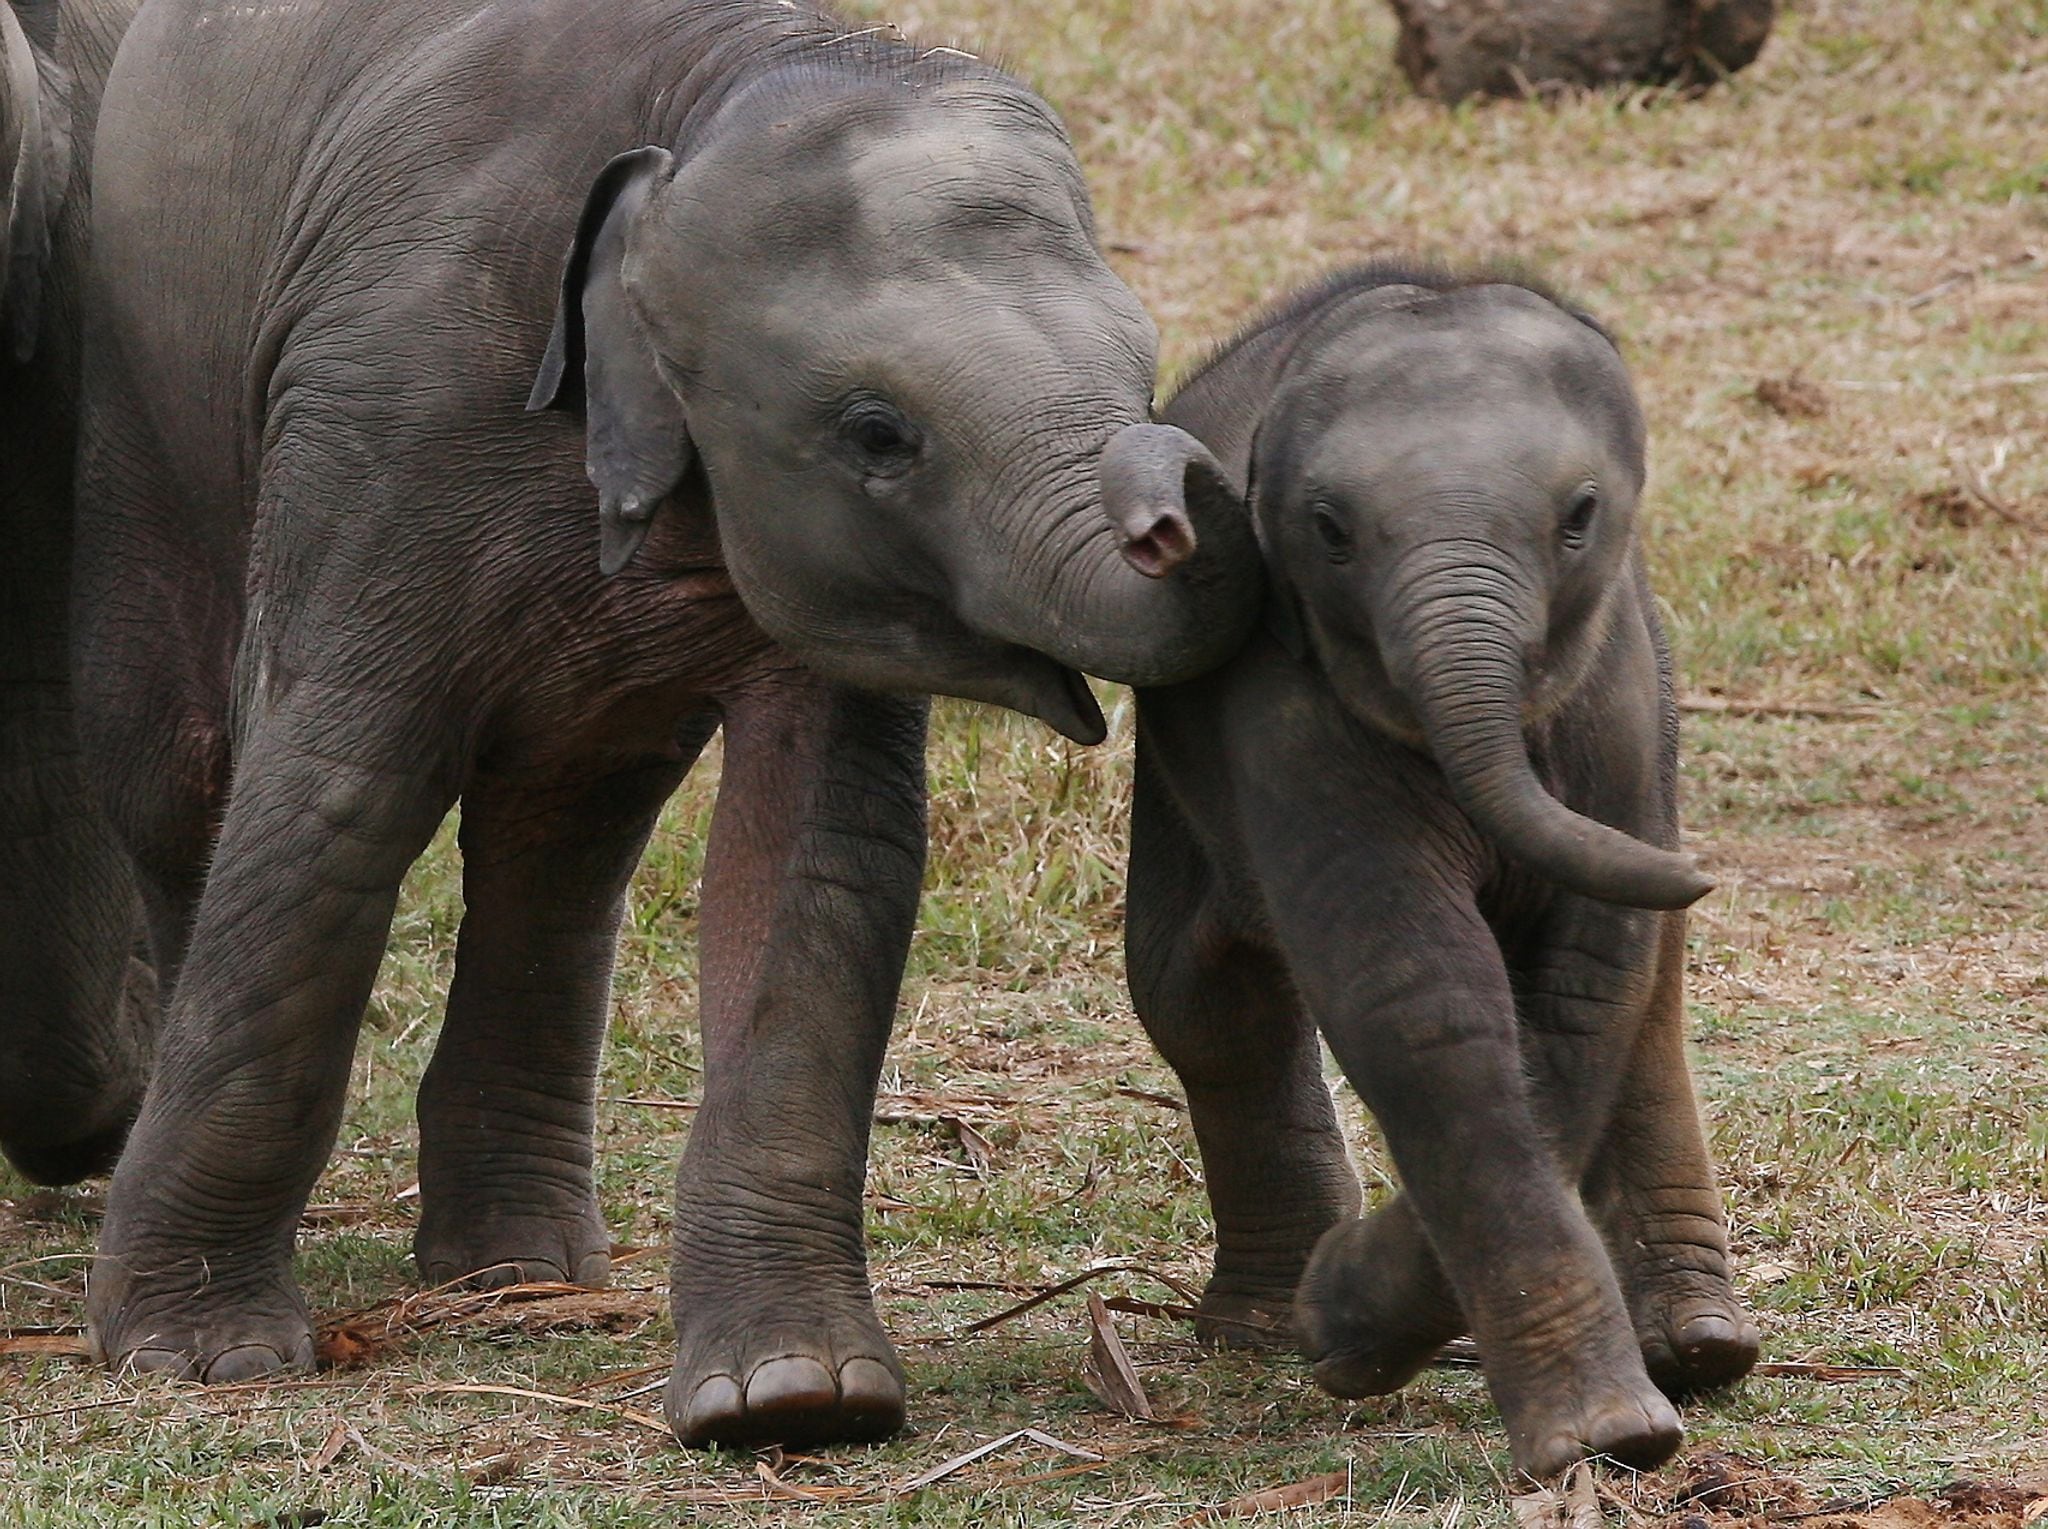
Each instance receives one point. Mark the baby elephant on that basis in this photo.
(1432, 812)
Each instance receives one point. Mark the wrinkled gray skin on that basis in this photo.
(1431, 812)
(76, 1007)
(835, 347)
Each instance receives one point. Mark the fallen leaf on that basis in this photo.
(494, 1469)
(329, 1452)
(980, 1152)
(344, 1347)
(1108, 1368)
(777, 1487)
(1296, 1494)
(1581, 1500)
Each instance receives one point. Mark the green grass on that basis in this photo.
(1864, 212)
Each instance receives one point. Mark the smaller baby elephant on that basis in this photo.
(1431, 810)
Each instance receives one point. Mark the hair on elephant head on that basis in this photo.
(867, 301)
(1445, 486)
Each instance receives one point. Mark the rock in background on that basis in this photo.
(1455, 48)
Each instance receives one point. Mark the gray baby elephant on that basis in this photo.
(1432, 812)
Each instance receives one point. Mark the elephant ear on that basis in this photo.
(599, 362)
(1283, 605)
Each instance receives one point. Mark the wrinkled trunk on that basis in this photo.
(1450, 49)
(1161, 585)
(1457, 652)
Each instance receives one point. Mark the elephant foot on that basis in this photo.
(1372, 1311)
(486, 1248)
(1695, 1336)
(753, 1374)
(1254, 1319)
(1634, 1426)
(194, 1330)
(1565, 1370)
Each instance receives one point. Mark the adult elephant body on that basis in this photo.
(849, 372)
(76, 1008)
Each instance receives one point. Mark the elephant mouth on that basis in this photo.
(1083, 721)
(939, 655)
(1023, 679)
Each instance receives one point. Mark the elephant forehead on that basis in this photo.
(961, 174)
(1408, 431)
(889, 181)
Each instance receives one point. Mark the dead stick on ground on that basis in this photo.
(1074, 1282)
(1820, 710)
(582, 1403)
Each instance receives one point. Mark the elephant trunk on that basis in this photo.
(1163, 584)
(1458, 651)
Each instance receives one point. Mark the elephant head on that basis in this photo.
(1445, 484)
(867, 302)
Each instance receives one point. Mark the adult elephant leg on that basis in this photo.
(810, 892)
(506, 1108)
(1221, 1011)
(334, 796)
(1652, 1189)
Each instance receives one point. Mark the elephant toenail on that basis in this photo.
(157, 1361)
(245, 1361)
(865, 1381)
(795, 1384)
(716, 1404)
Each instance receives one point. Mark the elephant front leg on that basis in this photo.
(810, 893)
(1604, 1047)
(507, 1108)
(1652, 1189)
(1224, 1016)
(1415, 1002)
(194, 1274)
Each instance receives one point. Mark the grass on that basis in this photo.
(1854, 228)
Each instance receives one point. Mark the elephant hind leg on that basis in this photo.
(1652, 1190)
(77, 1008)
(506, 1108)
(62, 1125)
(1221, 1011)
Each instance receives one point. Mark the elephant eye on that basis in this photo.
(1331, 531)
(1578, 515)
(878, 431)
